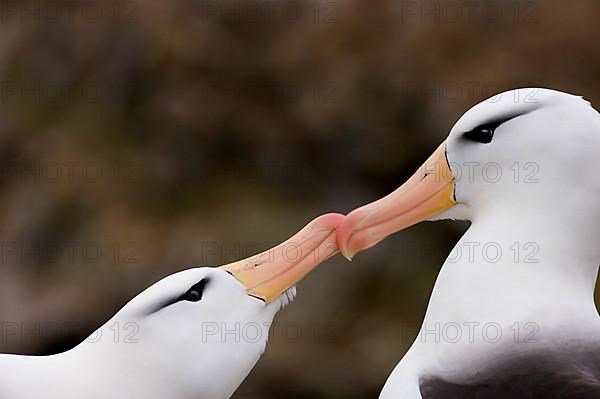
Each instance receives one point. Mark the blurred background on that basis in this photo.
(139, 138)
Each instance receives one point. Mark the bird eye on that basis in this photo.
(194, 294)
(485, 133)
(482, 134)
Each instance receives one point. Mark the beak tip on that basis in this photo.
(344, 248)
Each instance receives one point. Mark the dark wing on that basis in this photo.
(574, 375)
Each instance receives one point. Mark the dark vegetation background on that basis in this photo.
(168, 134)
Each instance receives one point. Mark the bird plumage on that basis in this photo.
(512, 312)
(194, 334)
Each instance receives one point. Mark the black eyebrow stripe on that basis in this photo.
(170, 301)
(492, 125)
(504, 120)
(500, 121)
(164, 304)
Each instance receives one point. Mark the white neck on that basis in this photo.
(150, 368)
(39, 376)
(515, 267)
(533, 304)
(90, 370)
(543, 279)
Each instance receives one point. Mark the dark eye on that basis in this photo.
(194, 294)
(482, 134)
(485, 133)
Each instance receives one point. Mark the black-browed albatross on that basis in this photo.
(198, 333)
(512, 312)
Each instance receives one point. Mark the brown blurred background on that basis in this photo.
(139, 138)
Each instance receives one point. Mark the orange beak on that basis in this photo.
(268, 274)
(428, 192)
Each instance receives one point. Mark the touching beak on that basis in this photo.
(268, 274)
(428, 192)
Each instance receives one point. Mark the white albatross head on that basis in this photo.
(193, 334)
(196, 333)
(202, 330)
(526, 154)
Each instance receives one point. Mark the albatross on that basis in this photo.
(512, 312)
(195, 334)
